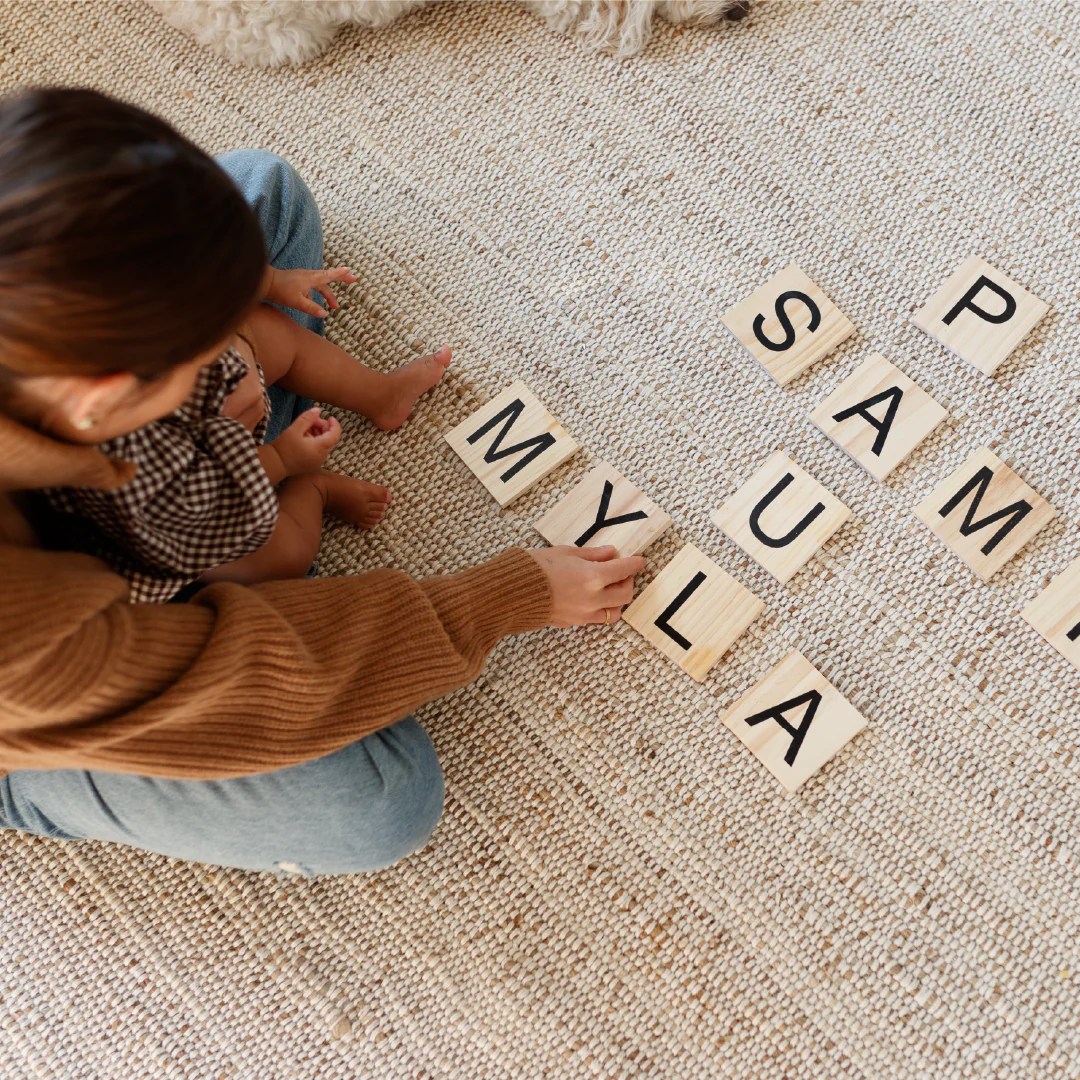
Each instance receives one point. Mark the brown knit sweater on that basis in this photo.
(240, 679)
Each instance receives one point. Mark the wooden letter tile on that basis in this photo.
(604, 508)
(878, 416)
(980, 314)
(794, 720)
(511, 443)
(1055, 613)
(788, 324)
(781, 516)
(985, 513)
(692, 611)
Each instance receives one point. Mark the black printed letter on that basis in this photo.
(697, 580)
(755, 516)
(785, 322)
(1074, 633)
(811, 699)
(601, 523)
(968, 301)
(1016, 511)
(539, 443)
(894, 394)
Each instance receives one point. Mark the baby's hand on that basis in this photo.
(292, 288)
(305, 444)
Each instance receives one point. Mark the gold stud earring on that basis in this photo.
(85, 423)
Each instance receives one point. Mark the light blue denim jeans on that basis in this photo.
(360, 808)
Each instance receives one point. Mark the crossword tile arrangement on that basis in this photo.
(794, 720)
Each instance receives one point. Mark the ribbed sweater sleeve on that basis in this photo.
(241, 679)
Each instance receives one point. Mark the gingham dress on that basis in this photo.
(199, 498)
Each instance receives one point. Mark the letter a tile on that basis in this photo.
(511, 443)
(1055, 613)
(693, 612)
(980, 314)
(604, 508)
(788, 324)
(878, 416)
(985, 513)
(794, 720)
(781, 516)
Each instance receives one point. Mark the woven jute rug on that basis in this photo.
(618, 888)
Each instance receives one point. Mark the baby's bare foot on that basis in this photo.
(355, 501)
(408, 383)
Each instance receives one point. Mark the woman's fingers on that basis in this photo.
(618, 594)
(588, 585)
(608, 616)
(615, 570)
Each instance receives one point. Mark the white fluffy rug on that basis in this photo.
(618, 889)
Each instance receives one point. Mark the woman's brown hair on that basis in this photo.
(123, 247)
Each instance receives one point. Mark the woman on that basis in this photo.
(257, 727)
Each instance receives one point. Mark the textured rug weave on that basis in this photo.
(618, 888)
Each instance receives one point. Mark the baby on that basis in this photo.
(209, 501)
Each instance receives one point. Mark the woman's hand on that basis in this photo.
(292, 288)
(588, 585)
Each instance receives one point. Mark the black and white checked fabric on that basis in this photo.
(199, 498)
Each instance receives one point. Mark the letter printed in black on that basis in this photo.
(1015, 512)
(967, 301)
(662, 620)
(894, 394)
(538, 443)
(785, 322)
(763, 505)
(603, 523)
(1074, 633)
(811, 699)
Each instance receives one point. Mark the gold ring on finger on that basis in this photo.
(607, 615)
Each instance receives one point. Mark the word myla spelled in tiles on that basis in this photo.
(980, 314)
(788, 324)
(794, 720)
(511, 443)
(604, 508)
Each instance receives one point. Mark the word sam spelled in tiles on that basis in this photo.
(980, 314)
(511, 443)
(788, 324)
(878, 416)
(693, 611)
(1055, 613)
(794, 720)
(605, 508)
(781, 516)
(985, 513)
